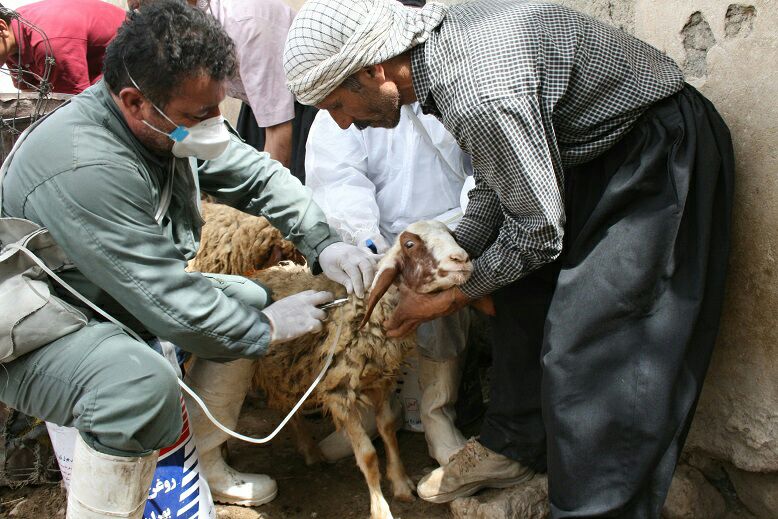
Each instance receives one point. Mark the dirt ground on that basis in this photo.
(336, 491)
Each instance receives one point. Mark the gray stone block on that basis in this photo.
(528, 501)
(757, 491)
(692, 497)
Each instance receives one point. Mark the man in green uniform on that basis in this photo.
(115, 178)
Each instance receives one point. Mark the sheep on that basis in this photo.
(366, 364)
(233, 242)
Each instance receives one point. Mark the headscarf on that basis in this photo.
(332, 39)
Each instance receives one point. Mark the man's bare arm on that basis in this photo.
(278, 142)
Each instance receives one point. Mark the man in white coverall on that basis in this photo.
(371, 184)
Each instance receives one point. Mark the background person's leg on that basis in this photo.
(635, 313)
(441, 345)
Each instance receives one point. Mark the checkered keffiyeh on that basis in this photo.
(331, 39)
(530, 89)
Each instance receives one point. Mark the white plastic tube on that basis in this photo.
(288, 417)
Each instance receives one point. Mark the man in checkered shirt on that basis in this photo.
(599, 224)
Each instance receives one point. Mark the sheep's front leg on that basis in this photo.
(305, 442)
(387, 428)
(367, 460)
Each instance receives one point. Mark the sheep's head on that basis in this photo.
(425, 258)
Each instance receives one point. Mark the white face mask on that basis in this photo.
(205, 140)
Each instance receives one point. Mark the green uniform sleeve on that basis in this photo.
(251, 181)
(102, 215)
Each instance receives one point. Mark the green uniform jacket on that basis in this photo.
(83, 175)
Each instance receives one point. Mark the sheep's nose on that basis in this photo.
(458, 257)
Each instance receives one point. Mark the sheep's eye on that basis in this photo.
(409, 244)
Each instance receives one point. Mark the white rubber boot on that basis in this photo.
(337, 446)
(439, 387)
(223, 386)
(104, 486)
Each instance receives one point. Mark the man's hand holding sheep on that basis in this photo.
(415, 308)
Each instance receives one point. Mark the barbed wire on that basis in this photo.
(26, 80)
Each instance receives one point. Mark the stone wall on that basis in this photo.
(730, 52)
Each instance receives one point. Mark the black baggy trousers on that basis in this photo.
(599, 357)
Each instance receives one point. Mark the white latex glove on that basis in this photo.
(296, 315)
(351, 266)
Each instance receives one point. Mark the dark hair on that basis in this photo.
(352, 83)
(6, 14)
(162, 44)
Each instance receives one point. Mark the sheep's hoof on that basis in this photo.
(404, 491)
(405, 497)
(314, 458)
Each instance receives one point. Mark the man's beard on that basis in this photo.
(159, 144)
(386, 110)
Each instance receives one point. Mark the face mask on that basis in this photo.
(205, 140)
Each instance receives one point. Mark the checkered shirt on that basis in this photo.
(530, 88)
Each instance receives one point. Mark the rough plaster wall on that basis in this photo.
(230, 109)
(620, 13)
(730, 52)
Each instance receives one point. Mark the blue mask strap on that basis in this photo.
(179, 134)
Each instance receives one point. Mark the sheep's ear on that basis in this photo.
(381, 284)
